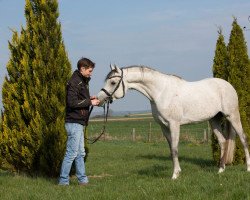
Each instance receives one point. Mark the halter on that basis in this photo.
(105, 114)
(116, 88)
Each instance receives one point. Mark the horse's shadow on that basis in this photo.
(159, 170)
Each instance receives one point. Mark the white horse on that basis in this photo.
(175, 102)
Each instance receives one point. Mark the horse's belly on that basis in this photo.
(196, 118)
(196, 111)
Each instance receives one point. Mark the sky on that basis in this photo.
(174, 37)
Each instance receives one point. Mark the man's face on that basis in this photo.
(86, 72)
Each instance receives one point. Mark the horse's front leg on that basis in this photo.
(175, 133)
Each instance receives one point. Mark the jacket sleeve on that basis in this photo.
(72, 97)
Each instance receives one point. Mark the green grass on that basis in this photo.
(138, 170)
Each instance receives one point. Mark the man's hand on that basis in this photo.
(93, 97)
(94, 101)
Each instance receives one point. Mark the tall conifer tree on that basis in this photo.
(248, 99)
(33, 135)
(239, 72)
(220, 63)
(220, 70)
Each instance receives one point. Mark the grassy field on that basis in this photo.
(138, 170)
(119, 168)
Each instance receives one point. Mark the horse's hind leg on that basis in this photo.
(215, 123)
(166, 133)
(234, 119)
(172, 135)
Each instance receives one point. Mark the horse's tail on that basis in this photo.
(230, 144)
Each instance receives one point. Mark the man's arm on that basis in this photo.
(72, 98)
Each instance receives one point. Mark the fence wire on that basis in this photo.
(147, 130)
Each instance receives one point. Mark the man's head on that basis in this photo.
(85, 67)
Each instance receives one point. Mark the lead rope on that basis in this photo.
(105, 120)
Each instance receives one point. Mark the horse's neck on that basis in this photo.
(146, 81)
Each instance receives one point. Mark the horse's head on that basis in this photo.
(114, 87)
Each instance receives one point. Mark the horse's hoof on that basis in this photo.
(248, 165)
(221, 170)
(175, 176)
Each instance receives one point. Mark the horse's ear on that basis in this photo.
(112, 67)
(117, 68)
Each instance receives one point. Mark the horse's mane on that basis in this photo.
(142, 68)
(146, 68)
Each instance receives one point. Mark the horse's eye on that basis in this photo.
(113, 83)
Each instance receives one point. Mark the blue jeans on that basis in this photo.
(74, 151)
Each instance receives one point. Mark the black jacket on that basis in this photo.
(77, 99)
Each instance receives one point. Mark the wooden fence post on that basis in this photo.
(208, 128)
(150, 131)
(205, 136)
(133, 134)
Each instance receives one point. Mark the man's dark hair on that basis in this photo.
(86, 63)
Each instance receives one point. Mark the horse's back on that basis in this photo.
(229, 97)
(217, 90)
(224, 88)
(215, 85)
(203, 99)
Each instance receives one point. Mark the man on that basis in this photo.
(78, 102)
